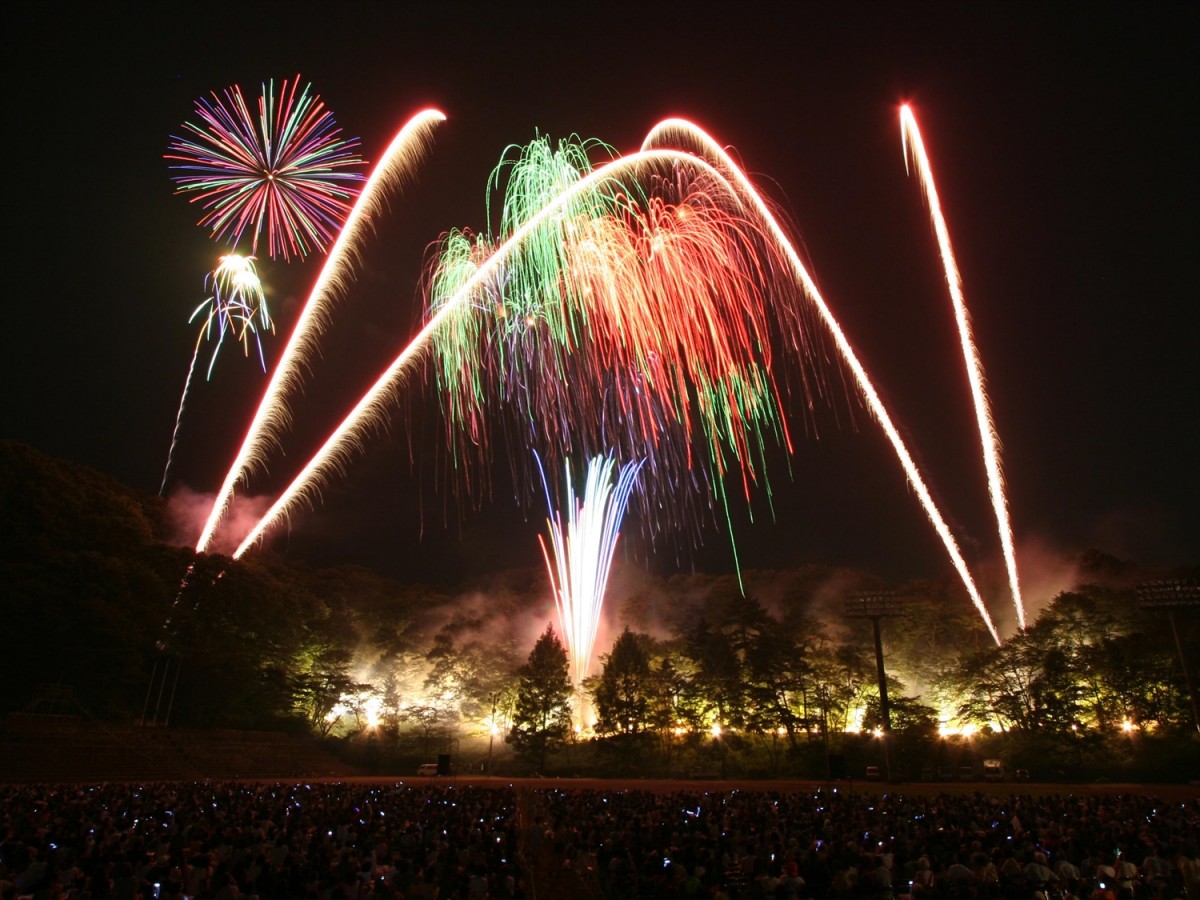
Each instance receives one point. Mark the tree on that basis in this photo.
(542, 717)
(667, 713)
(777, 670)
(469, 666)
(321, 679)
(84, 581)
(1024, 685)
(623, 692)
(717, 643)
(716, 688)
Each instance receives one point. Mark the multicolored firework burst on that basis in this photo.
(406, 149)
(580, 552)
(284, 170)
(644, 313)
(656, 343)
(647, 306)
(236, 306)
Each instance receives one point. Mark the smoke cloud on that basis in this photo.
(188, 510)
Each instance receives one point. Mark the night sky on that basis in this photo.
(1063, 137)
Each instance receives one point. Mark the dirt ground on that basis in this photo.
(1168, 792)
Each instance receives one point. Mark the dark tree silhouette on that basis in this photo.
(542, 717)
(624, 690)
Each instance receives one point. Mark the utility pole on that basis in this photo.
(1172, 594)
(876, 605)
(492, 730)
(824, 695)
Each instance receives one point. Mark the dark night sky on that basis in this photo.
(1064, 138)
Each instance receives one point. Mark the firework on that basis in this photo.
(642, 304)
(407, 148)
(284, 172)
(580, 551)
(187, 386)
(236, 306)
(688, 133)
(915, 149)
(644, 312)
(734, 400)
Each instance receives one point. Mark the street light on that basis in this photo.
(823, 693)
(491, 730)
(876, 605)
(1172, 594)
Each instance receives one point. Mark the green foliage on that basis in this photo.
(624, 692)
(50, 507)
(97, 607)
(1090, 661)
(84, 584)
(542, 715)
(469, 668)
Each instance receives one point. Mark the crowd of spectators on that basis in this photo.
(826, 843)
(216, 841)
(270, 841)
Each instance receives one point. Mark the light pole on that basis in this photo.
(491, 731)
(824, 694)
(876, 605)
(1172, 594)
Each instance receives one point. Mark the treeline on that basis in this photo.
(1095, 688)
(696, 671)
(96, 600)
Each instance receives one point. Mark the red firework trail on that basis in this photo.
(272, 416)
(988, 438)
(603, 276)
(688, 132)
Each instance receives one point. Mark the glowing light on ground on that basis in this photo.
(407, 148)
(579, 552)
(372, 710)
(990, 441)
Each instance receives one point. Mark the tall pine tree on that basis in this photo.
(542, 717)
(624, 690)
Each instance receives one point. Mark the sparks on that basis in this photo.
(914, 149)
(723, 400)
(688, 132)
(407, 148)
(573, 317)
(285, 172)
(580, 552)
(237, 306)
